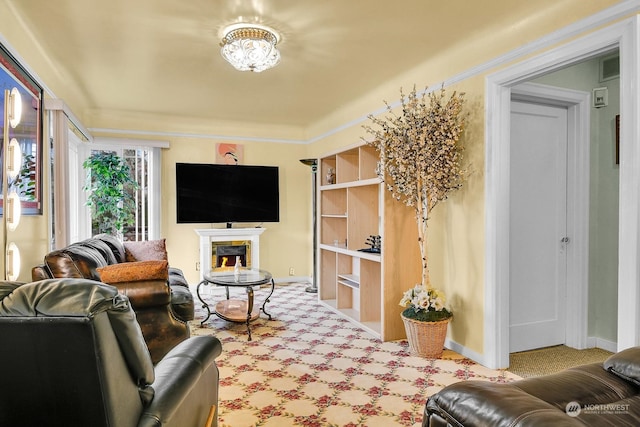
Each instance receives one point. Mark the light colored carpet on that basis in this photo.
(309, 367)
(554, 359)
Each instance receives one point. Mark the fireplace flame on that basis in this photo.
(224, 261)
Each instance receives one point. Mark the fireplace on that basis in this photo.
(212, 238)
(225, 254)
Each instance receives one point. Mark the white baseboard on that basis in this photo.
(464, 351)
(293, 279)
(593, 342)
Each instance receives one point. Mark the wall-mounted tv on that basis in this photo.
(216, 193)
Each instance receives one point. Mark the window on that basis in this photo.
(144, 163)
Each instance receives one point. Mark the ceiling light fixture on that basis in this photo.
(250, 47)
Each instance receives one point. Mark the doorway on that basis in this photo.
(499, 87)
(549, 201)
(538, 238)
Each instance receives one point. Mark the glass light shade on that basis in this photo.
(14, 158)
(15, 108)
(14, 211)
(13, 261)
(250, 47)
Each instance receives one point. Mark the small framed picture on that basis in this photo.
(229, 154)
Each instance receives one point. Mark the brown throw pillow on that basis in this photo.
(146, 250)
(134, 271)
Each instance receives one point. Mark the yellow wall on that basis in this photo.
(284, 244)
(456, 240)
(456, 229)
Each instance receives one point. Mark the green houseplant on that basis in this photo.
(421, 164)
(110, 186)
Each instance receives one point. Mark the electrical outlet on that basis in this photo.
(197, 266)
(291, 271)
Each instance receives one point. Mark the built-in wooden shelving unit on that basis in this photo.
(365, 287)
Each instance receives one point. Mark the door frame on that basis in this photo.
(578, 105)
(625, 36)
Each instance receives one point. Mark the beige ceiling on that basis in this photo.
(162, 56)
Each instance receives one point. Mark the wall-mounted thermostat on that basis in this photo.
(600, 97)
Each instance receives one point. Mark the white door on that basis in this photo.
(538, 226)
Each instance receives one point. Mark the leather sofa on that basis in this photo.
(599, 394)
(73, 355)
(163, 303)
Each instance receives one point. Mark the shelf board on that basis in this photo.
(341, 249)
(374, 328)
(359, 183)
(350, 280)
(350, 277)
(331, 303)
(335, 248)
(349, 284)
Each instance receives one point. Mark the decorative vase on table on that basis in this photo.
(425, 321)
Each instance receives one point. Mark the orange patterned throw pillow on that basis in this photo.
(134, 271)
(146, 250)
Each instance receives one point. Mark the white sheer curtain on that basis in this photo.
(64, 130)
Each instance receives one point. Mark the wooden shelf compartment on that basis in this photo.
(347, 165)
(374, 328)
(363, 218)
(328, 271)
(369, 158)
(349, 280)
(363, 287)
(334, 202)
(333, 229)
(325, 164)
(347, 294)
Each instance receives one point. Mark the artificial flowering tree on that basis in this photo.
(421, 164)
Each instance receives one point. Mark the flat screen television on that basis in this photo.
(213, 193)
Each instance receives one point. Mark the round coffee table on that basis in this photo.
(236, 310)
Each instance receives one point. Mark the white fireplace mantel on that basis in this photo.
(210, 235)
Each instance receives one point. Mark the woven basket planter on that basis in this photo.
(426, 339)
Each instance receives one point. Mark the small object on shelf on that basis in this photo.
(374, 241)
(331, 176)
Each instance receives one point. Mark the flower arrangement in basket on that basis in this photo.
(425, 320)
(421, 164)
(425, 305)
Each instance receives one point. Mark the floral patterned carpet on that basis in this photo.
(310, 367)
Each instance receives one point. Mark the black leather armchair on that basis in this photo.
(597, 394)
(73, 355)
